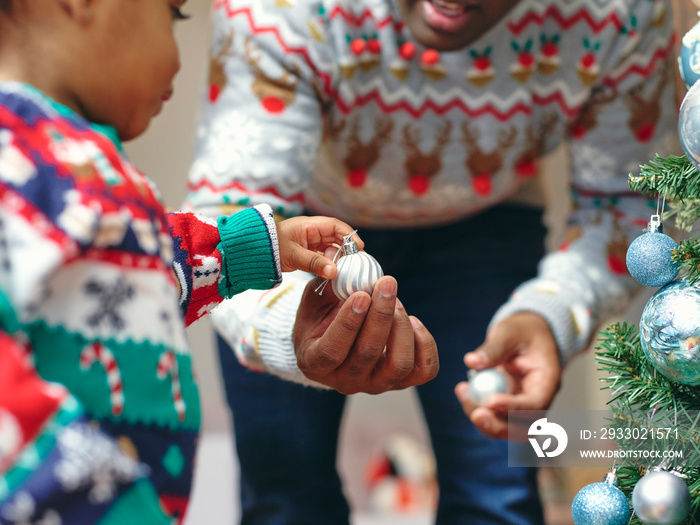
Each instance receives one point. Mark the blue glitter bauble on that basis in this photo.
(649, 259)
(689, 59)
(669, 331)
(689, 124)
(600, 503)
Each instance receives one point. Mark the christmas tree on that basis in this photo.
(653, 370)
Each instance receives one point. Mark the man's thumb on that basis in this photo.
(487, 355)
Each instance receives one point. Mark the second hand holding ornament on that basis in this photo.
(357, 271)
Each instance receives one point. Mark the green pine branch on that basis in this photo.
(678, 180)
(649, 414)
(688, 257)
(642, 399)
(673, 176)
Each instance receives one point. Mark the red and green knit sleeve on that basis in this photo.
(215, 260)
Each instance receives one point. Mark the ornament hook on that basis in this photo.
(348, 248)
(655, 225)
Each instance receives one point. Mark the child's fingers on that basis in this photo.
(324, 231)
(298, 258)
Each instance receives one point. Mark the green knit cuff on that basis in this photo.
(249, 251)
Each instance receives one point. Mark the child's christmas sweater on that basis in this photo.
(331, 107)
(99, 410)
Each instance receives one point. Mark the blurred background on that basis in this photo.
(374, 426)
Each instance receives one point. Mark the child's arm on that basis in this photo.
(302, 238)
(215, 260)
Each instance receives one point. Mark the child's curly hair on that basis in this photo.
(5, 5)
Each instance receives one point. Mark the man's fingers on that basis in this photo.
(334, 346)
(397, 361)
(491, 353)
(426, 363)
(489, 423)
(314, 324)
(316, 304)
(462, 393)
(538, 389)
(370, 343)
(485, 419)
(365, 344)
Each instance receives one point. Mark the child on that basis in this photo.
(99, 411)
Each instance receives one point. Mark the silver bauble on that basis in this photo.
(357, 271)
(485, 383)
(669, 331)
(689, 124)
(661, 498)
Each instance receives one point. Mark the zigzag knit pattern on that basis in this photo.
(332, 107)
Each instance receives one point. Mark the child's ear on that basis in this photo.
(80, 10)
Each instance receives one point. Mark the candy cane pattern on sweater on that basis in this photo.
(167, 364)
(97, 352)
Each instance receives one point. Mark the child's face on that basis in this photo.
(448, 25)
(133, 63)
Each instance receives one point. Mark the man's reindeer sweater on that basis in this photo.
(336, 110)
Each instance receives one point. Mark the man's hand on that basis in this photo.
(365, 344)
(523, 347)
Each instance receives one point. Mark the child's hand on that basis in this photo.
(302, 238)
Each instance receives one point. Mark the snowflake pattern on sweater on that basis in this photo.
(331, 107)
(99, 410)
